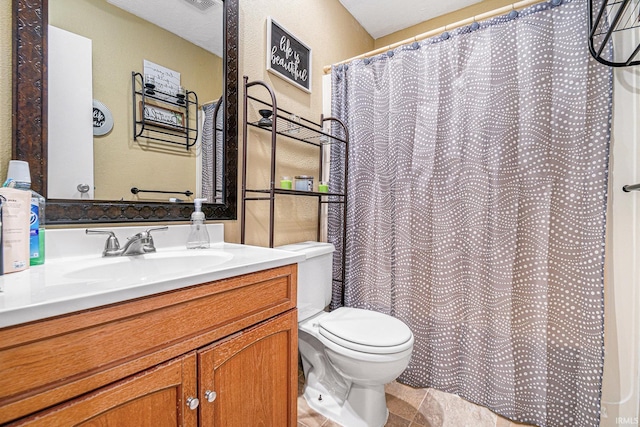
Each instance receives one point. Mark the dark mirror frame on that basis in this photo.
(29, 122)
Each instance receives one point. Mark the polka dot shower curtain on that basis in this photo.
(211, 156)
(476, 208)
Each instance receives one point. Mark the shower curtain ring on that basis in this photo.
(514, 13)
(474, 24)
(445, 35)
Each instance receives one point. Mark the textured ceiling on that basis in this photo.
(182, 17)
(378, 17)
(383, 17)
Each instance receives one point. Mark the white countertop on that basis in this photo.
(45, 291)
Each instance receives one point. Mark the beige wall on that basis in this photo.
(5, 87)
(332, 34)
(120, 162)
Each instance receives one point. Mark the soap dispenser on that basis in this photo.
(198, 235)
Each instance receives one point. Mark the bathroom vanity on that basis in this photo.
(210, 352)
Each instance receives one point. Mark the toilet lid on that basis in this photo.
(366, 331)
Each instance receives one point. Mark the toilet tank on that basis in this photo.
(314, 277)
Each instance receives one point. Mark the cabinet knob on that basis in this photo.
(193, 403)
(210, 395)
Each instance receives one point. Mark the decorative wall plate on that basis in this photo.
(102, 119)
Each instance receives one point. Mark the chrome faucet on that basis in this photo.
(138, 244)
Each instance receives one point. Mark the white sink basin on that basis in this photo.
(75, 277)
(147, 268)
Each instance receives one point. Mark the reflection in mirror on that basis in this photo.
(30, 120)
(212, 177)
(91, 124)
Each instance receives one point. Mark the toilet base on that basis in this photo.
(364, 407)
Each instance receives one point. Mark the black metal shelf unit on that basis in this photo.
(609, 20)
(285, 124)
(162, 116)
(292, 126)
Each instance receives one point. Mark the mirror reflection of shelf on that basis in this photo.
(166, 97)
(164, 117)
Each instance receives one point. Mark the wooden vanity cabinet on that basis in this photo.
(152, 398)
(218, 354)
(246, 371)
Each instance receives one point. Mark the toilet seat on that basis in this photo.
(365, 331)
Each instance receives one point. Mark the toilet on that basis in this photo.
(349, 354)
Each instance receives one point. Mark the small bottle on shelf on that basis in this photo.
(286, 183)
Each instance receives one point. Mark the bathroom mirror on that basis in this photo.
(30, 126)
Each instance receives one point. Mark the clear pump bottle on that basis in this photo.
(198, 235)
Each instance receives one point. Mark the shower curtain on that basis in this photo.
(478, 165)
(211, 146)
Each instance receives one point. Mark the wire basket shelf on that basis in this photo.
(614, 32)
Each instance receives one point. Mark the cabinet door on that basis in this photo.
(156, 397)
(254, 376)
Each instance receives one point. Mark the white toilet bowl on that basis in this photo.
(349, 354)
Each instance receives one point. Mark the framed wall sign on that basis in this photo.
(163, 117)
(288, 57)
(102, 119)
(164, 79)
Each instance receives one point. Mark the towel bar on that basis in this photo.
(629, 188)
(135, 190)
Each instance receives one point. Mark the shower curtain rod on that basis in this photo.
(484, 16)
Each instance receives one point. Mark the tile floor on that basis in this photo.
(411, 407)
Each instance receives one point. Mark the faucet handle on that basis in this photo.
(149, 230)
(111, 245)
(150, 246)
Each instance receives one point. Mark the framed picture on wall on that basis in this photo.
(163, 117)
(288, 57)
